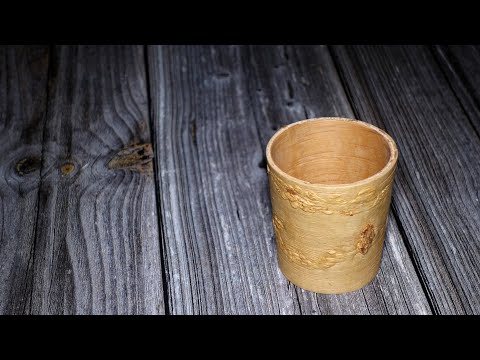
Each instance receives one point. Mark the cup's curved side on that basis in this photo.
(330, 242)
(330, 238)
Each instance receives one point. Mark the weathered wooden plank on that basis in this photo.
(437, 184)
(461, 65)
(97, 242)
(23, 84)
(214, 109)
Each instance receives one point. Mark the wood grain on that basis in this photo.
(214, 109)
(461, 66)
(97, 245)
(23, 84)
(403, 90)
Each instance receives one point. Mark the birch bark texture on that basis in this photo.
(330, 184)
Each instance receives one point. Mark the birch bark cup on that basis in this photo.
(330, 186)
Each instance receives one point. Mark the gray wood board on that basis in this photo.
(403, 90)
(97, 240)
(23, 84)
(214, 109)
(461, 65)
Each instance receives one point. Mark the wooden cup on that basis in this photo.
(330, 185)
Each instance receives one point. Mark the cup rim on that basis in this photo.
(385, 170)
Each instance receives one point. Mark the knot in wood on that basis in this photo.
(136, 157)
(28, 165)
(67, 168)
(366, 239)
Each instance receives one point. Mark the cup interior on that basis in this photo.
(330, 152)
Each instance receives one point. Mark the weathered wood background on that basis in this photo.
(133, 180)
